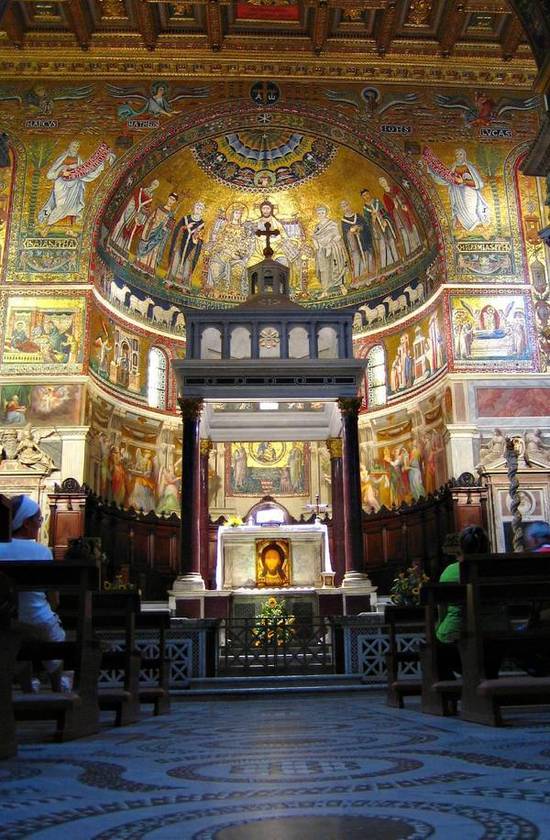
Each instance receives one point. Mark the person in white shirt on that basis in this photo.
(35, 612)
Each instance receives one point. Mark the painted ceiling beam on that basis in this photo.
(450, 27)
(511, 38)
(320, 26)
(214, 26)
(386, 26)
(79, 21)
(147, 23)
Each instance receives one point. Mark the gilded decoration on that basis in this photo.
(349, 221)
(267, 468)
(334, 446)
(273, 563)
(205, 446)
(191, 409)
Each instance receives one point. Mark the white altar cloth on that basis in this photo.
(270, 532)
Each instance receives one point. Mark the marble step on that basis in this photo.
(242, 686)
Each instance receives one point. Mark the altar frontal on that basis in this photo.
(285, 557)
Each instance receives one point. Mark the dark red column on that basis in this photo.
(190, 566)
(353, 510)
(205, 449)
(334, 446)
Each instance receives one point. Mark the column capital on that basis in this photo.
(334, 446)
(349, 406)
(191, 408)
(205, 446)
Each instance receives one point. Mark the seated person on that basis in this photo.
(36, 617)
(536, 537)
(473, 540)
(536, 661)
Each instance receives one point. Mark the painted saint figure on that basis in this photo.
(400, 215)
(330, 253)
(287, 245)
(240, 467)
(155, 233)
(132, 220)
(185, 247)
(382, 228)
(468, 207)
(230, 247)
(296, 469)
(357, 235)
(70, 175)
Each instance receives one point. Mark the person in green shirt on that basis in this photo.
(473, 540)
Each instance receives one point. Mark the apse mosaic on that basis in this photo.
(198, 221)
(266, 468)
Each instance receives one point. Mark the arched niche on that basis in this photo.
(298, 343)
(268, 510)
(327, 343)
(240, 345)
(376, 377)
(211, 343)
(157, 379)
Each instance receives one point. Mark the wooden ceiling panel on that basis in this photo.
(480, 30)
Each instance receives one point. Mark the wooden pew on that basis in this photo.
(76, 712)
(157, 693)
(519, 580)
(117, 611)
(439, 695)
(10, 640)
(399, 620)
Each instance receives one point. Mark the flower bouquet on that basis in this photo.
(273, 624)
(405, 590)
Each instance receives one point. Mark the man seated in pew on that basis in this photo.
(36, 616)
(536, 537)
(472, 540)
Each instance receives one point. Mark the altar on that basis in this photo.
(283, 558)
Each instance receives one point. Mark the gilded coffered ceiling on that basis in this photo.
(421, 41)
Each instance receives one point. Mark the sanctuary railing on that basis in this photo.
(260, 646)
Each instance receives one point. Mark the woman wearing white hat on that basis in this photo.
(35, 612)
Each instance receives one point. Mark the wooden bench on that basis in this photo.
(119, 614)
(76, 712)
(10, 640)
(156, 691)
(116, 611)
(439, 695)
(519, 580)
(399, 620)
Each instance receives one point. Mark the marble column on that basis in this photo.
(334, 446)
(205, 449)
(190, 577)
(353, 511)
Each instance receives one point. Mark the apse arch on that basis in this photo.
(198, 125)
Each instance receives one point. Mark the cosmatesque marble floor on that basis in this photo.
(285, 767)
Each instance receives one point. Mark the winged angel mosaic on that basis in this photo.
(159, 100)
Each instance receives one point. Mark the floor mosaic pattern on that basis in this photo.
(285, 767)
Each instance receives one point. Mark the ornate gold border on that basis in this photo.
(103, 62)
